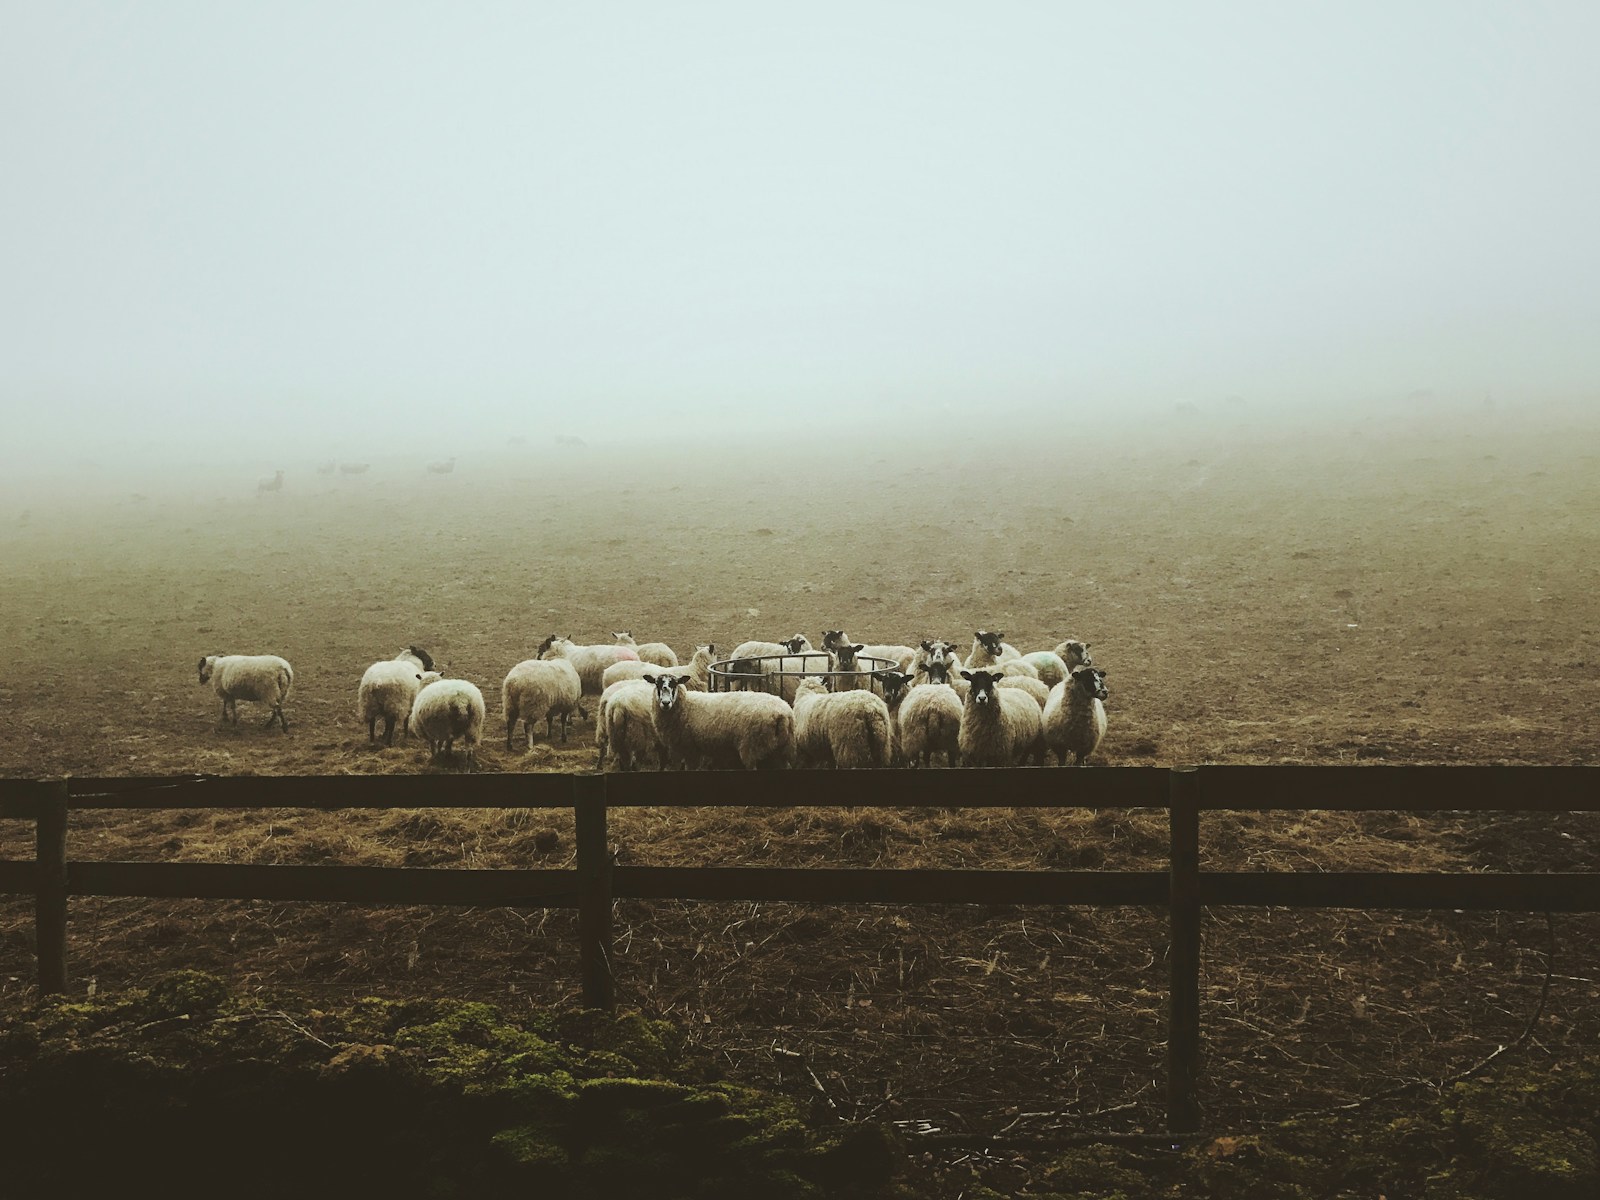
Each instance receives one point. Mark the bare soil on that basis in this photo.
(1393, 596)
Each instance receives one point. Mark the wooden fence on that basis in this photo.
(595, 883)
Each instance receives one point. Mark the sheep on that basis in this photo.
(442, 468)
(1074, 653)
(659, 653)
(899, 656)
(935, 662)
(388, 689)
(275, 484)
(445, 710)
(1049, 667)
(1000, 726)
(625, 726)
(848, 729)
(775, 667)
(929, 724)
(1075, 717)
(895, 685)
(236, 677)
(697, 670)
(589, 661)
(755, 727)
(990, 648)
(327, 468)
(354, 468)
(1033, 688)
(536, 688)
(847, 677)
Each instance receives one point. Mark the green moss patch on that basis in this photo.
(209, 1093)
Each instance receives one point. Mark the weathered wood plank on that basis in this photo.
(1412, 788)
(50, 883)
(529, 790)
(1010, 787)
(1183, 957)
(369, 885)
(595, 882)
(870, 885)
(1563, 892)
(17, 877)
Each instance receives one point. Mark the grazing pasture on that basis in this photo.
(1381, 595)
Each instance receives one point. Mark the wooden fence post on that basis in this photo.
(594, 891)
(1183, 962)
(50, 895)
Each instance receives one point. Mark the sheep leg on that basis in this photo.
(388, 731)
(565, 717)
(372, 729)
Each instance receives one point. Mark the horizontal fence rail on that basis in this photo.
(595, 883)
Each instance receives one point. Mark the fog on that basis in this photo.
(277, 235)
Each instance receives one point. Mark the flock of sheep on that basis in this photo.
(768, 704)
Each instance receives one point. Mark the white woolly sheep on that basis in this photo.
(1074, 653)
(898, 656)
(1075, 717)
(590, 662)
(235, 677)
(388, 689)
(1035, 688)
(935, 662)
(625, 727)
(929, 723)
(697, 670)
(275, 484)
(753, 675)
(990, 648)
(1049, 666)
(540, 688)
(659, 653)
(754, 728)
(1000, 726)
(848, 729)
(445, 710)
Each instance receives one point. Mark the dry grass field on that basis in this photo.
(1389, 595)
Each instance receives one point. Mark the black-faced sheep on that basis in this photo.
(1075, 715)
(1000, 726)
(753, 729)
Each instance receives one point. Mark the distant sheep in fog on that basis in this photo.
(442, 468)
(351, 468)
(275, 484)
(262, 677)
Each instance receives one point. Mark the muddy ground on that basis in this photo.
(1386, 594)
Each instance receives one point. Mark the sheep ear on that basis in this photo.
(966, 675)
(650, 679)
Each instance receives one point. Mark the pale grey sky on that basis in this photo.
(416, 222)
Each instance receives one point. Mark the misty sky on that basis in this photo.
(427, 219)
